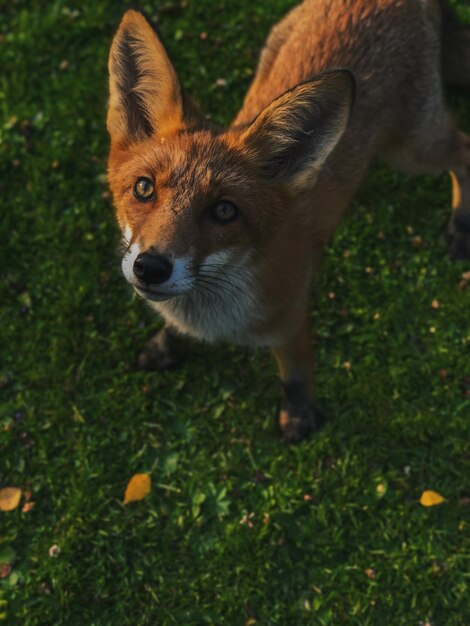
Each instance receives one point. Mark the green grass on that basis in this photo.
(78, 420)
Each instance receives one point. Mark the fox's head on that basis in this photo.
(194, 201)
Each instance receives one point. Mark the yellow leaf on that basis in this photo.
(9, 498)
(430, 498)
(138, 487)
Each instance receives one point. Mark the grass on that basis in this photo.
(239, 529)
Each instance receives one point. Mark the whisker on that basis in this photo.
(221, 267)
(233, 277)
(216, 279)
(234, 290)
(207, 286)
(124, 245)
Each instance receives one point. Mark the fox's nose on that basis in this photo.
(152, 268)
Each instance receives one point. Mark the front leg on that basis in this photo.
(163, 351)
(298, 415)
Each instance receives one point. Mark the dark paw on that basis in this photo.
(458, 237)
(158, 356)
(297, 424)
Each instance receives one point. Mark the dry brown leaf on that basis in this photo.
(27, 507)
(370, 573)
(54, 551)
(443, 374)
(9, 498)
(138, 487)
(430, 498)
(464, 283)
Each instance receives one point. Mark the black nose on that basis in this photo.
(152, 268)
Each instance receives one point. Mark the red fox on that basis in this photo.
(224, 228)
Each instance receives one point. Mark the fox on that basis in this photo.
(224, 229)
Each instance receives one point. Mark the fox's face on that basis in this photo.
(187, 207)
(200, 207)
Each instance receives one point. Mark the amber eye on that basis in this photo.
(144, 189)
(224, 211)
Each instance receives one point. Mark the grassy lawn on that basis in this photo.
(239, 529)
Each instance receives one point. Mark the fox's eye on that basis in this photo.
(144, 189)
(224, 211)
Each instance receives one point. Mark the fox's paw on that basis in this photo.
(298, 423)
(158, 354)
(458, 236)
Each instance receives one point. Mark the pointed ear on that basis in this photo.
(293, 136)
(145, 93)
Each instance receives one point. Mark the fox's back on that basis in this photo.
(392, 47)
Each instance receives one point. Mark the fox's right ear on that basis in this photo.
(145, 93)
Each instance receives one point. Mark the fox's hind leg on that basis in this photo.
(433, 146)
(458, 231)
(163, 351)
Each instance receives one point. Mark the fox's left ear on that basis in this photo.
(292, 137)
(145, 93)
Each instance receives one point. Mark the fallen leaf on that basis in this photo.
(430, 498)
(54, 551)
(9, 498)
(443, 374)
(465, 280)
(5, 570)
(138, 487)
(27, 507)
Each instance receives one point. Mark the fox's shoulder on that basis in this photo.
(365, 36)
